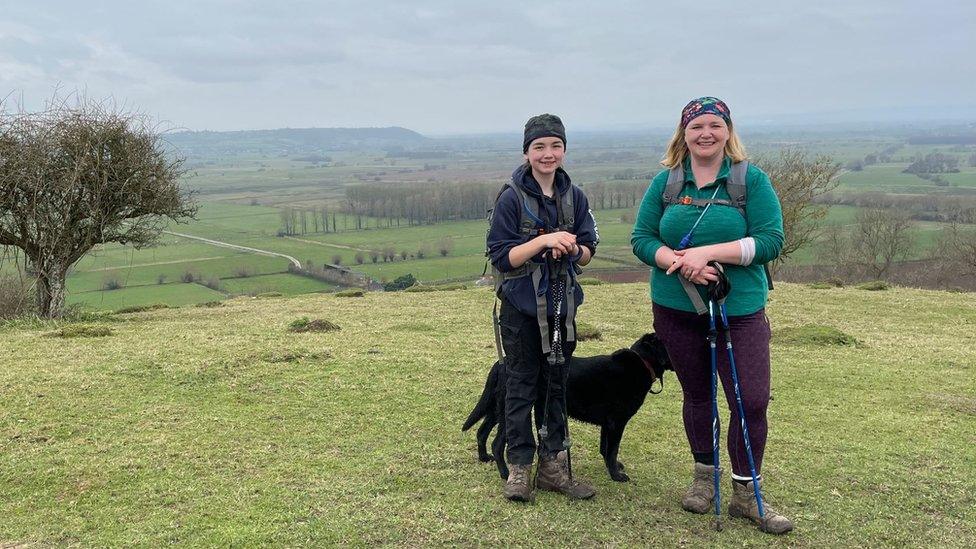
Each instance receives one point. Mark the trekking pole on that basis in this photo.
(742, 415)
(716, 471)
(556, 358)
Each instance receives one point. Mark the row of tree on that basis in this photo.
(296, 221)
(420, 203)
(934, 163)
(932, 207)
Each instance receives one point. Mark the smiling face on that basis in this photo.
(706, 136)
(545, 155)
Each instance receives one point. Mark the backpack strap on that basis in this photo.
(735, 185)
(676, 182)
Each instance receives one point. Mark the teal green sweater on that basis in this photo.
(763, 221)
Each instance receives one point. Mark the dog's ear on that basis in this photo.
(652, 349)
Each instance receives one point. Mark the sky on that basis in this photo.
(464, 67)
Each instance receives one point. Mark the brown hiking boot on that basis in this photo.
(744, 505)
(700, 496)
(554, 476)
(517, 487)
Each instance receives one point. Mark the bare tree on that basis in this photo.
(799, 181)
(834, 250)
(74, 176)
(880, 238)
(955, 251)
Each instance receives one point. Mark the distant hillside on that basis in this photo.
(292, 140)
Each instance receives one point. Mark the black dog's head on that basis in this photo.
(654, 355)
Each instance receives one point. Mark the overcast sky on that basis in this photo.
(443, 67)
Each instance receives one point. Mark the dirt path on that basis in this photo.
(294, 261)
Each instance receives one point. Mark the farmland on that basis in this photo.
(243, 191)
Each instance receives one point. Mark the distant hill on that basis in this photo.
(292, 140)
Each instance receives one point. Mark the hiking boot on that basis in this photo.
(554, 476)
(744, 505)
(517, 487)
(700, 496)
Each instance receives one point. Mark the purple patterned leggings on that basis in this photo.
(684, 336)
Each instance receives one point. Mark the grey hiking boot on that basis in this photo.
(554, 476)
(744, 505)
(517, 487)
(700, 496)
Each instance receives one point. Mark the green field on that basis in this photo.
(230, 223)
(219, 427)
(287, 284)
(170, 294)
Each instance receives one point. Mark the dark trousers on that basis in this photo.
(527, 376)
(684, 337)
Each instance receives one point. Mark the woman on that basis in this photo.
(540, 228)
(703, 154)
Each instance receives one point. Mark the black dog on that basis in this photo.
(605, 390)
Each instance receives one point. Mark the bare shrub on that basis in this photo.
(445, 246)
(112, 281)
(15, 296)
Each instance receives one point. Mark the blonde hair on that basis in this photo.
(677, 148)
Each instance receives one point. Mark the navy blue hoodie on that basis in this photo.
(504, 234)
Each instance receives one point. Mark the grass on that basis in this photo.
(204, 427)
(814, 334)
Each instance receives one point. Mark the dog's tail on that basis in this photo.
(487, 400)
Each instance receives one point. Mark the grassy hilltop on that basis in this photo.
(219, 426)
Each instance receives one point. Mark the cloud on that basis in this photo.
(457, 66)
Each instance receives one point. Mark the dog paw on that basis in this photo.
(620, 466)
(620, 476)
(485, 458)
